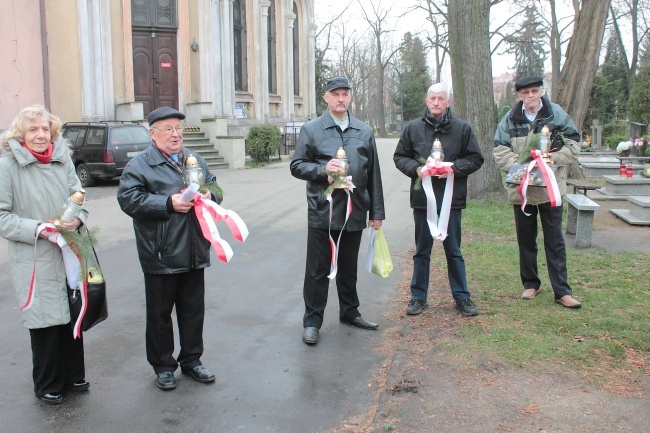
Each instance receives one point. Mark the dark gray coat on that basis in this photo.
(318, 142)
(168, 242)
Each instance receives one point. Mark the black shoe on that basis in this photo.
(360, 322)
(466, 307)
(166, 380)
(200, 374)
(78, 386)
(416, 306)
(52, 398)
(310, 335)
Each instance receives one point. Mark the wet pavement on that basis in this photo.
(268, 380)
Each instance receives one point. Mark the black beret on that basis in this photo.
(337, 83)
(163, 113)
(532, 81)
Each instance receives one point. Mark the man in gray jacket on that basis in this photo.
(172, 250)
(314, 160)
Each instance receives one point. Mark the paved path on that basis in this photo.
(268, 380)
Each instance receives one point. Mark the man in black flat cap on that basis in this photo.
(172, 251)
(314, 160)
(531, 114)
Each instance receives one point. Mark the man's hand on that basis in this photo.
(375, 224)
(333, 166)
(181, 206)
(206, 195)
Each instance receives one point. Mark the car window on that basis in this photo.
(95, 136)
(129, 135)
(75, 134)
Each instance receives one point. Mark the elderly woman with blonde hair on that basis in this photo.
(37, 177)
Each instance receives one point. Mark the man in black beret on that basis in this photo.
(530, 115)
(172, 250)
(315, 161)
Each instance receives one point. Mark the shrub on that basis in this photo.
(262, 141)
(612, 140)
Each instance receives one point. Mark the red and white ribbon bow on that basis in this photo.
(438, 226)
(549, 179)
(208, 213)
(72, 264)
(334, 246)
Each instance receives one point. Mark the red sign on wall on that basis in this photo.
(165, 64)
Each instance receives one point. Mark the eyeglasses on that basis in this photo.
(170, 131)
(531, 91)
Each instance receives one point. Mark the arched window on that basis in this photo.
(272, 53)
(296, 51)
(239, 33)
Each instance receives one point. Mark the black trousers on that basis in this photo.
(186, 291)
(318, 268)
(554, 247)
(57, 357)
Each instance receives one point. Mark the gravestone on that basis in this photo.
(637, 130)
(596, 134)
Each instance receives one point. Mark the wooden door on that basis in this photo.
(155, 69)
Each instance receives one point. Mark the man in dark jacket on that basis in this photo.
(314, 160)
(172, 251)
(459, 147)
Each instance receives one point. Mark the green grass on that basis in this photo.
(613, 289)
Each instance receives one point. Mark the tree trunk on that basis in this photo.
(577, 77)
(469, 45)
(556, 50)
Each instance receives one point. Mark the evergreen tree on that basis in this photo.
(609, 93)
(415, 78)
(323, 73)
(528, 44)
(639, 101)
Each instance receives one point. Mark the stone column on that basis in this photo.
(227, 60)
(310, 96)
(287, 89)
(262, 92)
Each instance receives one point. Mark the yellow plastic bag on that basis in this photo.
(378, 259)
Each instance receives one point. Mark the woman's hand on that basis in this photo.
(71, 226)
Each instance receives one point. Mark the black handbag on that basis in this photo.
(96, 308)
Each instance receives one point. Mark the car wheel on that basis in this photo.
(84, 176)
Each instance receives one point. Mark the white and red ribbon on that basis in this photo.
(208, 213)
(72, 266)
(438, 226)
(334, 246)
(549, 180)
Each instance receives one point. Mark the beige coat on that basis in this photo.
(30, 194)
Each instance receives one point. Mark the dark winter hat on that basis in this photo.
(526, 82)
(163, 113)
(337, 83)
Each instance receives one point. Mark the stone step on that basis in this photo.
(197, 141)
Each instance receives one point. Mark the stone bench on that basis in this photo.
(580, 218)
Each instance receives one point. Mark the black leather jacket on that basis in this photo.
(167, 242)
(318, 142)
(459, 146)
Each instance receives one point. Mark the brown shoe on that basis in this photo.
(568, 302)
(529, 294)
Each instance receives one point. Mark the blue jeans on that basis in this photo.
(422, 257)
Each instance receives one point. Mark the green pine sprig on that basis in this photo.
(532, 143)
(417, 185)
(338, 181)
(213, 188)
(83, 245)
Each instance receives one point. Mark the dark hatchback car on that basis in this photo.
(101, 150)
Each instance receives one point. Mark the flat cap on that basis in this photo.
(163, 113)
(531, 81)
(337, 83)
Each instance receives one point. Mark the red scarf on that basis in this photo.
(43, 158)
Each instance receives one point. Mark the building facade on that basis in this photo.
(227, 64)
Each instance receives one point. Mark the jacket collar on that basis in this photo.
(23, 157)
(328, 122)
(517, 115)
(444, 119)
